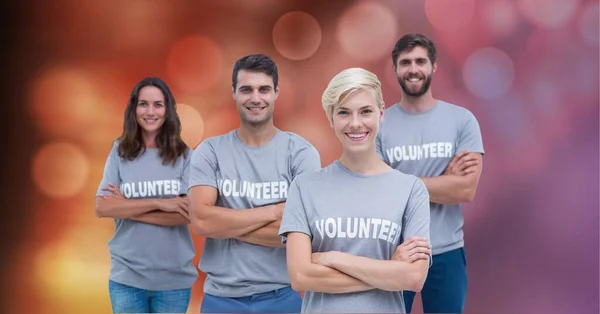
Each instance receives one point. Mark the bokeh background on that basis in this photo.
(527, 69)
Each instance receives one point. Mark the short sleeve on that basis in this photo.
(185, 172)
(470, 135)
(203, 166)
(294, 214)
(379, 146)
(416, 220)
(306, 159)
(111, 171)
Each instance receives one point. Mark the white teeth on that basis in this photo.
(414, 79)
(357, 135)
(255, 109)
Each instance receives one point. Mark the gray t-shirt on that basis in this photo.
(423, 145)
(143, 255)
(363, 215)
(248, 177)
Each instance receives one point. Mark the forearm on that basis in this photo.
(221, 222)
(390, 275)
(449, 189)
(122, 208)
(157, 217)
(318, 278)
(265, 236)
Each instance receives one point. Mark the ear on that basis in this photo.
(233, 93)
(381, 114)
(434, 67)
(276, 92)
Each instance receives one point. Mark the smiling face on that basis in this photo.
(414, 71)
(151, 109)
(255, 96)
(356, 121)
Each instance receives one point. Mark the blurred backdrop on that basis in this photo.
(527, 69)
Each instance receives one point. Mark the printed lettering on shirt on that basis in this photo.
(150, 188)
(418, 152)
(361, 228)
(253, 190)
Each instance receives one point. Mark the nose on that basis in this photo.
(355, 122)
(255, 98)
(413, 68)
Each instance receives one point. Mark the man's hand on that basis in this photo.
(413, 249)
(462, 164)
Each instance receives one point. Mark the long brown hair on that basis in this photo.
(168, 140)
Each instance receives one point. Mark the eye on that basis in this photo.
(265, 90)
(342, 113)
(367, 111)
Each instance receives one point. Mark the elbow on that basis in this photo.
(203, 229)
(298, 281)
(100, 208)
(468, 195)
(417, 280)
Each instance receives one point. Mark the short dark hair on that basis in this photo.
(256, 63)
(409, 42)
(168, 140)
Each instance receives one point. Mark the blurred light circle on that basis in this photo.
(367, 31)
(192, 125)
(60, 170)
(488, 73)
(501, 17)
(548, 14)
(195, 63)
(297, 35)
(588, 24)
(449, 15)
(66, 101)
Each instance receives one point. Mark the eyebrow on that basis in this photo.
(361, 108)
(261, 86)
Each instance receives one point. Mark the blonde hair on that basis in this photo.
(345, 84)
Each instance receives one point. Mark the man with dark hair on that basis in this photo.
(441, 143)
(238, 187)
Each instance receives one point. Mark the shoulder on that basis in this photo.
(295, 140)
(407, 179)
(456, 110)
(311, 177)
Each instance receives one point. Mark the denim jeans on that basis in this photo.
(127, 299)
(445, 289)
(284, 300)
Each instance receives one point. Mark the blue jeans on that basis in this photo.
(445, 289)
(127, 299)
(284, 300)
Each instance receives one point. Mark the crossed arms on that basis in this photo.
(338, 272)
(258, 225)
(458, 183)
(164, 212)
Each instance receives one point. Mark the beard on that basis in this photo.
(418, 93)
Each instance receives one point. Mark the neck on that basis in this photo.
(417, 104)
(256, 134)
(366, 163)
(149, 139)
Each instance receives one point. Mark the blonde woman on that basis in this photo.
(343, 224)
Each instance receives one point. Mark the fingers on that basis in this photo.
(418, 256)
(419, 250)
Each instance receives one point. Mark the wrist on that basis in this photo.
(156, 204)
(334, 259)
